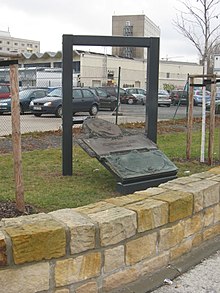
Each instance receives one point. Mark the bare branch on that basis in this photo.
(198, 23)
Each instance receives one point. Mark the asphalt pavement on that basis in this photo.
(129, 113)
(203, 278)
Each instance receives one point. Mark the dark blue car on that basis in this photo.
(25, 97)
(83, 100)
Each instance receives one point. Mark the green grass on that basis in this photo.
(47, 189)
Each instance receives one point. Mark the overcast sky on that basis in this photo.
(47, 20)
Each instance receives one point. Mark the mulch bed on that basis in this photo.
(8, 210)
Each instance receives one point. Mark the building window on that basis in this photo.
(0, 48)
(15, 44)
(0, 42)
(168, 75)
(8, 49)
(8, 43)
(22, 45)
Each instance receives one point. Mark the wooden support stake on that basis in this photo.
(16, 138)
(212, 121)
(190, 120)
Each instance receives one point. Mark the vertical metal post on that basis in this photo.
(67, 82)
(152, 90)
(190, 119)
(118, 94)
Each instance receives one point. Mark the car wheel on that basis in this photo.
(59, 112)
(94, 110)
(130, 101)
(21, 110)
(37, 114)
(168, 105)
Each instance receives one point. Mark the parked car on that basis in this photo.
(83, 100)
(217, 97)
(4, 91)
(106, 100)
(217, 106)
(124, 97)
(164, 98)
(138, 93)
(25, 97)
(179, 97)
(197, 97)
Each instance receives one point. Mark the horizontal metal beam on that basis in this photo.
(111, 41)
(8, 62)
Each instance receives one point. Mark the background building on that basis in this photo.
(10, 44)
(136, 26)
(96, 69)
(216, 64)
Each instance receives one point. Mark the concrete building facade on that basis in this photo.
(217, 64)
(96, 69)
(11, 44)
(136, 26)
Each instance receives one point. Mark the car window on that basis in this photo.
(56, 93)
(111, 91)
(141, 91)
(131, 91)
(163, 92)
(77, 94)
(122, 92)
(101, 93)
(87, 93)
(40, 94)
(4, 89)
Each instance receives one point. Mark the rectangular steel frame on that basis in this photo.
(152, 44)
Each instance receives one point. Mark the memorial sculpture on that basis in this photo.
(134, 159)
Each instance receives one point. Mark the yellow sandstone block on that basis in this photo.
(150, 213)
(73, 270)
(41, 238)
(180, 204)
(141, 248)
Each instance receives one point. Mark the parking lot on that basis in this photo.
(127, 113)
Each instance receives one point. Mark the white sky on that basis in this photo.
(47, 20)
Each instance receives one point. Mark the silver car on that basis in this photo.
(164, 98)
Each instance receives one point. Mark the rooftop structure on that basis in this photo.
(135, 26)
(18, 45)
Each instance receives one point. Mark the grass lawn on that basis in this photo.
(47, 189)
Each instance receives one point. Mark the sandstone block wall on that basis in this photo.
(104, 246)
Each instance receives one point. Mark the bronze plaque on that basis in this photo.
(134, 159)
(105, 146)
(136, 165)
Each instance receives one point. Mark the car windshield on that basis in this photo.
(55, 93)
(131, 91)
(24, 93)
(101, 93)
(163, 92)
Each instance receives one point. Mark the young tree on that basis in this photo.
(199, 23)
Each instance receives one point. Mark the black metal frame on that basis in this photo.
(112, 41)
